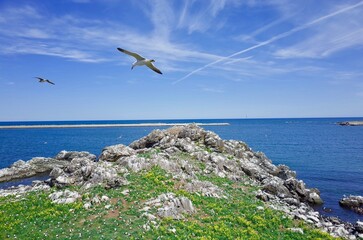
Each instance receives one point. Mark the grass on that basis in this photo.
(35, 217)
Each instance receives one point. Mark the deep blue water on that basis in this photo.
(325, 155)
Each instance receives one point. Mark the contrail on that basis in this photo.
(273, 39)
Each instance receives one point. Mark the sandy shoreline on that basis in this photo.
(108, 125)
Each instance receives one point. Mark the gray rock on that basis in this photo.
(359, 226)
(192, 132)
(214, 141)
(354, 203)
(284, 172)
(56, 172)
(22, 169)
(296, 187)
(314, 198)
(205, 188)
(64, 197)
(69, 156)
(171, 206)
(87, 205)
(148, 141)
(20, 190)
(275, 186)
(87, 173)
(115, 152)
(298, 230)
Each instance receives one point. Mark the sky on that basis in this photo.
(219, 59)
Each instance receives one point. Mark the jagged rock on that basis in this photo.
(296, 187)
(284, 172)
(192, 132)
(355, 203)
(64, 197)
(359, 226)
(37, 165)
(115, 152)
(171, 206)
(314, 198)
(56, 172)
(205, 188)
(22, 169)
(69, 156)
(148, 141)
(275, 186)
(253, 170)
(87, 173)
(214, 141)
(21, 189)
(264, 196)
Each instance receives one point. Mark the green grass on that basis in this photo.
(36, 217)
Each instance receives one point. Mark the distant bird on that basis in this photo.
(140, 60)
(43, 80)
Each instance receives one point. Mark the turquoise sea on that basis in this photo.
(324, 155)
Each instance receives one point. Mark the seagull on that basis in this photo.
(140, 60)
(43, 80)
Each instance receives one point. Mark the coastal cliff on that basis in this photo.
(183, 181)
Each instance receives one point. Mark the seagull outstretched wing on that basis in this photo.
(135, 55)
(152, 67)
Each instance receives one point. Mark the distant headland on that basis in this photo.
(351, 123)
(108, 125)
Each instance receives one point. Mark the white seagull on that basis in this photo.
(140, 60)
(43, 80)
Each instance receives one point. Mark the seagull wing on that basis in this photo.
(135, 55)
(40, 79)
(152, 67)
(50, 82)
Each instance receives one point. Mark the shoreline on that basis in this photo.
(108, 125)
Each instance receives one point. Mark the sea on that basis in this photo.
(324, 154)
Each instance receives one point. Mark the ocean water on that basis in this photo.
(324, 155)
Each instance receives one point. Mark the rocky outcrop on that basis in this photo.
(83, 171)
(69, 156)
(64, 197)
(113, 153)
(38, 165)
(186, 152)
(169, 206)
(232, 159)
(20, 190)
(22, 169)
(354, 203)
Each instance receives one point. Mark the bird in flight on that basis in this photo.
(141, 60)
(43, 80)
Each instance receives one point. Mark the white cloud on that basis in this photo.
(312, 23)
(342, 31)
(92, 40)
(197, 16)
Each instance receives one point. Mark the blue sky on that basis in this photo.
(219, 58)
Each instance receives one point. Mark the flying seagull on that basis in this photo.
(43, 80)
(140, 60)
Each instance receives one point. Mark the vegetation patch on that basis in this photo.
(239, 216)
